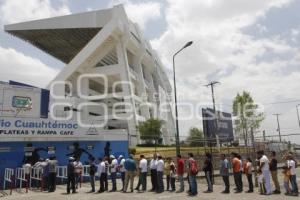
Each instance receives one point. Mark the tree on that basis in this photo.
(246, 115)
(195, 137)
(150, 130)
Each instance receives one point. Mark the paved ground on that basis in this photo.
(82, 194)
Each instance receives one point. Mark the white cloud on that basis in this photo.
(15, 65)
(223, 51)
(13, 11)
(295, 33)
(19, 67)
(142, 12)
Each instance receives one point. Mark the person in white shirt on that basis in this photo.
(38, 164)
(113, 173)
(52, 163)
(143, 170)
(291, 164)
(27, 170)
(122, 170)
(102, 173)
(78, 170)
(153, 167)
(38, 169)
(172, 175)
(265, 169)
(160, 172)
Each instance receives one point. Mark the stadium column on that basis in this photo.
(127, 88)
(85, 91)
(142, 88)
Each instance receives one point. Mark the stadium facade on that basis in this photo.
(108, 64)
(112, 82)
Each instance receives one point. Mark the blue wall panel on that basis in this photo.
(14, 158)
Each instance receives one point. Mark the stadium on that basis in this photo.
(112, 81)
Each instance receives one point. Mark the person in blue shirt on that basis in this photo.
(130, 167)
(224, 172)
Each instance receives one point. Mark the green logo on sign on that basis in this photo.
(21, 102)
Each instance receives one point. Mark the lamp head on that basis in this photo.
(188, 44)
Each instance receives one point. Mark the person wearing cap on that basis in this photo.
(71, 176)
(122, 170)
(113, 173)
(130, 167)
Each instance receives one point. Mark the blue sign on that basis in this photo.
(219, 123)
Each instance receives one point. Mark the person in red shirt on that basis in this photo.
(237, 174)
(248, 173)
(180, 172)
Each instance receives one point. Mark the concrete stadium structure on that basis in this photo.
(113, 80)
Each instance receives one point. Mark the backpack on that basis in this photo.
(193, 167)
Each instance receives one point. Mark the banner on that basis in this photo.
(220, 124)
(46, 128)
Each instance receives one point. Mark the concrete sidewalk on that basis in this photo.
(82, 194)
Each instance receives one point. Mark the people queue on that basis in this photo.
(49, 172)
(168, 169)
(267, 169)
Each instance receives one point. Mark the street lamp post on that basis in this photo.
(175, 97)
(216, 115)
(298, 113)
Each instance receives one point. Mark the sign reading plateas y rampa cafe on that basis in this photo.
(21, 127)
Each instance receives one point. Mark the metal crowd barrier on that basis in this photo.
(37, 174)
(21, 176)
(62, 172)
(86, 171)
(9, 177)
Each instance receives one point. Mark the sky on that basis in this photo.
(245, 45)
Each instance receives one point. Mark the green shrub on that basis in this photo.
(153, 145)
(132, 150)
(235, 143)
